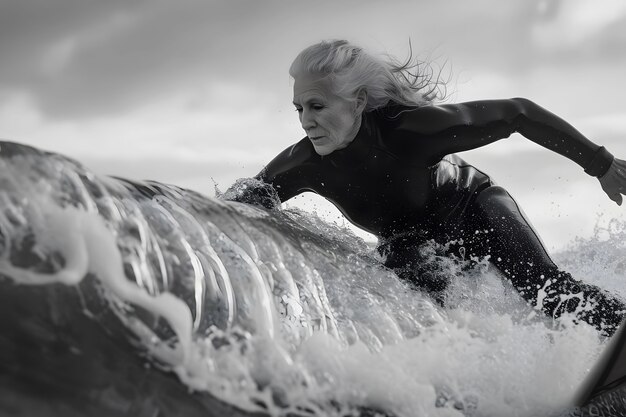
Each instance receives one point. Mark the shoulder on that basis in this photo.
(397, 121)
(433, 119)
(299, 151)
(425, 119)
(294, 156)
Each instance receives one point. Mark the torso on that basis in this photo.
(375, 185)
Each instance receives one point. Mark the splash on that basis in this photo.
(280, 313)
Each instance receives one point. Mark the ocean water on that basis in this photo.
(272, 312)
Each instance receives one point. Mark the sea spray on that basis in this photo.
(280, 312)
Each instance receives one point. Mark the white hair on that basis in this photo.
(386, 81)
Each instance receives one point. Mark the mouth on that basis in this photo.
(314, 138)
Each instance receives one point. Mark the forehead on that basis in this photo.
(309, 85)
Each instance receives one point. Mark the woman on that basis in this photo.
(379, 150)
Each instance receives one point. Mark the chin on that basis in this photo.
(323, 152)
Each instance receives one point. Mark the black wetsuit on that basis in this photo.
(398, 180)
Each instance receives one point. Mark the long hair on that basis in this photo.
(386, 81)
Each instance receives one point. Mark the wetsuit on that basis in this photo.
(398, 180)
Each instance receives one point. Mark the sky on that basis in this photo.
(196, 93)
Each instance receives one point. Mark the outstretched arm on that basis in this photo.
(458, 127)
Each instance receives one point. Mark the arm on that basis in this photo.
(459, 127)
(283, 178)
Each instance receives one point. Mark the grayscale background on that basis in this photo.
(191, 92)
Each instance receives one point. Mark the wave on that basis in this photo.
(121, 295)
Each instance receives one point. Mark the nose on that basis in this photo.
(307, 120)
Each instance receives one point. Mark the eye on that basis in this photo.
(317, 107)
(299, 109)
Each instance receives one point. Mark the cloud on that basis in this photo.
(81, 59)
(78, 59)
(580, 31)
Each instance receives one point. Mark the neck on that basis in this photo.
(355, 128)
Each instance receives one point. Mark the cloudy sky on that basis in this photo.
(194, 92)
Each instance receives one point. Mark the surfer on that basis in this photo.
(381, 151)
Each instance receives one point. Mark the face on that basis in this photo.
(331, 122)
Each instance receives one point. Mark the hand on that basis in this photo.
(252, 191)
(613, 182)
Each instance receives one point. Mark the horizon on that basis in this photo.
(191, 93)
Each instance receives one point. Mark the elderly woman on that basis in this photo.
(380, 151)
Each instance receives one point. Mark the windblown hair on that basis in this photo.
(386, 81)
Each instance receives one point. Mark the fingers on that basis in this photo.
(613, 182)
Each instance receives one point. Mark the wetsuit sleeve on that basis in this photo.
(277, 182)
(289, 171)
(446, 129)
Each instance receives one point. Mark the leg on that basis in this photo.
(410, 261)
(495, 226)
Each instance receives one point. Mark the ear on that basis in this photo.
(361, 101)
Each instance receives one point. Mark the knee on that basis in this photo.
(498, 209)
(492, 195)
